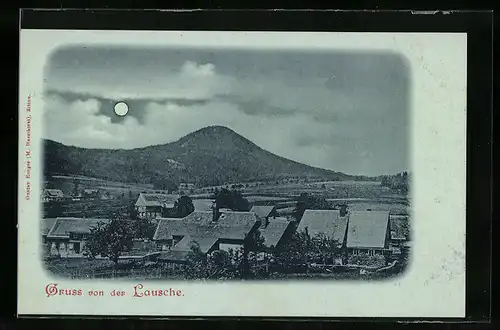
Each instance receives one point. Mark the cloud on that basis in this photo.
(79, 123)
(192, 81)
(192, 69)
(312, 120)
(297, 137)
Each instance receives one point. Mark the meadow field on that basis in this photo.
(359, 195)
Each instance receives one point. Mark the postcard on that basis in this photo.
(272, 174)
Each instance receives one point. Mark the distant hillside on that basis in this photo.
(210, 156)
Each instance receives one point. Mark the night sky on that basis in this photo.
(343, 111)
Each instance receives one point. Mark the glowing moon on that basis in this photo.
(121, 108)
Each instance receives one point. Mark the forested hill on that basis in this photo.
(210, 156)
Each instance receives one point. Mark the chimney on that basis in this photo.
(343, 210)
(215, 212)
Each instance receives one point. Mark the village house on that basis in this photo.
(368, 232)
(275, 232)
(211, 230)
(52, 195)
(45, 227)
(230, 228)
(67, 236)
(332, 223)
(152, 206)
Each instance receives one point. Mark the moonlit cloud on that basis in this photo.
(195, 70)
(330, 111)
(192, 81)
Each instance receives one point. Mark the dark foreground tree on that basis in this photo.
(132, 212)
(225, 265)
(143, 229)
(293, 254)
(110, 239)
(324, 248)
(196, 262)
(53, 209)
(231, 199)
(183, 206)
(219, 265)
(254, 243)
(306, 201)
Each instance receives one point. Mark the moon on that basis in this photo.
(121, 108)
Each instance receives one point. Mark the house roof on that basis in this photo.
(274, 231)
(168, 227)
(399, 228)
(367, 229)
(328, 222)
(205, 243)
(230, 225)
(199, 217)
(156, 199)
(46, 225)
(235, 225)
(54, 192)
(64, 226)
(262, 210)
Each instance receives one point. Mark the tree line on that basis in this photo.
(399, 182)
(252, 260)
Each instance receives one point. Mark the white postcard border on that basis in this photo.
(434, 286)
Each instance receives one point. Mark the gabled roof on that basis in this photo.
(262, 210)
(328, 222)
(235, 225)
(168, 227)
(54, 192)
(205, 243)
(156, 200)
(274, 231)
(46, 225)
(230, 225)
(64, 226)
(367, 229)
(199, 217)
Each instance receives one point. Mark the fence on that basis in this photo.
(151, 273)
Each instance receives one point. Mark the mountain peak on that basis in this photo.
(214, 137)
(216, 129)
(209, 156)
